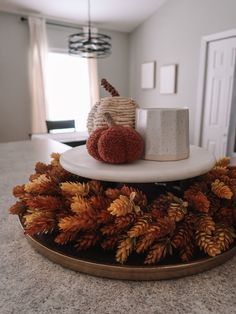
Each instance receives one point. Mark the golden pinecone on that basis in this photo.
(205, 223)
(145, 241)
(207, 243)
(124, 249)
(225, 236)
(177, 209)
(221, 190)
(42, 185)
(123, 205)
(55, 159)
(140, 227)
(74, 188)
(80, 204)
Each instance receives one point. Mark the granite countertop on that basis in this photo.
(30, 283)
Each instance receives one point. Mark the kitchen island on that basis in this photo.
(30, 283)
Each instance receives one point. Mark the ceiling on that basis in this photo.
(120, 15)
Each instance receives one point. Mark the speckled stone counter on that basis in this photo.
(29, 283)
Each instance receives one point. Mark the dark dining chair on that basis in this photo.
(60, 125)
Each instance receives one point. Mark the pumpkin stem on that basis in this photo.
(109, 88)
(109, 119)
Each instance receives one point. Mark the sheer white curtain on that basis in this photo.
(37, 64)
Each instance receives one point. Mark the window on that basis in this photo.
(68, 89)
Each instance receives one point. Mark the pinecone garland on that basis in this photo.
(89, 212)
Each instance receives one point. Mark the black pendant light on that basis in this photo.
(89, 44)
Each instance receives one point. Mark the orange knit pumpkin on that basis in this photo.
(115, 144)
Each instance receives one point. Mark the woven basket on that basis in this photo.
(122, 110)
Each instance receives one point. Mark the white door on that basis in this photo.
(218, 95)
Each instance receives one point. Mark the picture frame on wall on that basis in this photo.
(148, 75)
(168, 80)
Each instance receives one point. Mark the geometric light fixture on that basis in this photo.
(90, 44)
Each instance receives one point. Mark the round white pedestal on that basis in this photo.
(78, 161)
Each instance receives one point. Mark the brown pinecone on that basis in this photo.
(112, 194)
(215, 203)
(19, 191)
(111, 242)
(182, 235)
(225, 215)
(95, 187)
(18, 208)
(186, 253)
(156, 253)
(86, 241)
(109, 88)
(197, 199)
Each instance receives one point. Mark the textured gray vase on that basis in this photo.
(165, 132)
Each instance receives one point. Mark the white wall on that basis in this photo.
(173, 35)
(14, 91)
